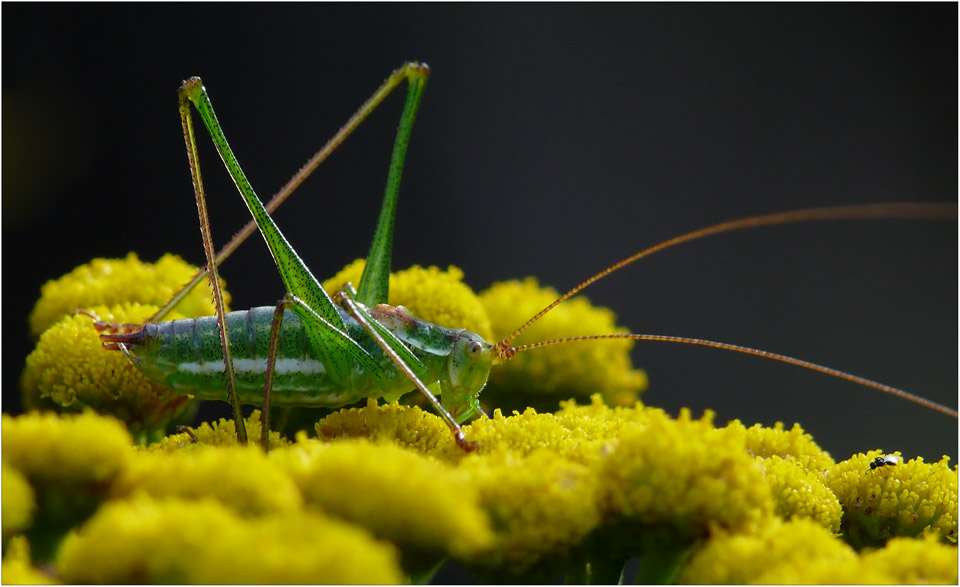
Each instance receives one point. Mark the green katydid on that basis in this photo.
(314, 349)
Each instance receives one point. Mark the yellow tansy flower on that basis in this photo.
(407, 426)
(788, 444)
(108, 282)
(178, 541)
(901, 500)
(540, 505)
(542, 377)
(19, 502)
(431, 294)
(732, 558)
(414, 501)
(220, 433)
(240, 477)
(799, 492)
(16, 568)
(916, 561)
(684, 473)
(70, 368)
(52, 449)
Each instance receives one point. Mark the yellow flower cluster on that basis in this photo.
(109, 282)
(19, 502)
(889, 501)
(59, 451)
(172, 540)
(430, 294)
(70, 369)
(542, 377)
(803, 552)
(17, 569)
(543, 494)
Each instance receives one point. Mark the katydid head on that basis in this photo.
(465, 374)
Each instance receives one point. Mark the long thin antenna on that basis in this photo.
(896, 210)
(511, 351)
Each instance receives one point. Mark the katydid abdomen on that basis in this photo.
(186, 356)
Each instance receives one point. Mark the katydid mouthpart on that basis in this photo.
(312, 349)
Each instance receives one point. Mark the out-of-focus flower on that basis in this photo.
(916, 561)
(417, 502)
(109, 282)
(431, 294)
(19, 502)
(70, 368)
(178, 541)
(541, 378)
(903, 500)
(62, 450)
(240, 477)
(16, 568)
(778, 551)
(541, 507)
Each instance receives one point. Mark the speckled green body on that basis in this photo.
(186, 356)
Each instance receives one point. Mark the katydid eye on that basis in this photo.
(473, 348)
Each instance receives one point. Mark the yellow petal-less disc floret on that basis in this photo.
(798, 492)
(542, 377)
(108, 282)
(17, 569)
(923, 561)
(431, 294)
(19, 502)
(71, 369)
(763, 441)
(789, 546)
(407, 426)
(223, 432)
(541, 505)
(181, 541)
(240, 477)
(65, 450)
(903, 500)
(414, 501)
(686, 474)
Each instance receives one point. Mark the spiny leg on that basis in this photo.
(191, 143)
(346, 296)
(410, 71)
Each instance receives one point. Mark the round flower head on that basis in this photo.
(19, 502)
(916, 561)
(685, 474)
(240, 477)
(785, 547)
(541, 506)
(16, 568)
(414, 501)
(407, 426)
(71, 369)
(61, 450)
(178, 541)
(902, 500)
(793, 444)
(798, 492)
(542, 377)
(108, 282)
(220, 433)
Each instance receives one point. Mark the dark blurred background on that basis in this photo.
(553, 140)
